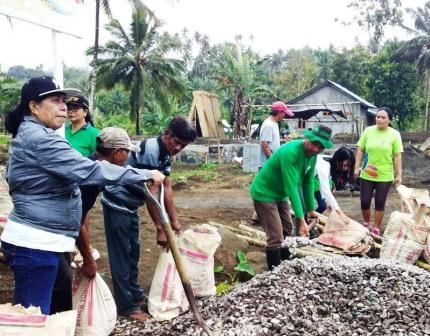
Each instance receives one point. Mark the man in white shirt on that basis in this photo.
(269, 131)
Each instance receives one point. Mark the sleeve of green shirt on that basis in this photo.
(308, 190)
(362, 141)
(290, 179)
(398, 146)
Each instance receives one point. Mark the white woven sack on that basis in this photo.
(166, 298)
(19, 321)
(403, 240)
(95, 305)
(197, 247)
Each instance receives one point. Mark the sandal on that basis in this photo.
(375, 231)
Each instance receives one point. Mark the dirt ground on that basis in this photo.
(221, 196)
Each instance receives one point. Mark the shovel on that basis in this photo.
(171, 240)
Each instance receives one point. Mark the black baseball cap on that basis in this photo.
(78, 101)
(38, 87)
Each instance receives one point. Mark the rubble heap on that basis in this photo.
(313, 296)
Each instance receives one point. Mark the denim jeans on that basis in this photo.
(122, 238)
(34, 272)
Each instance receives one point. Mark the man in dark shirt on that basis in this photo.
(113, 145)
(120, 205)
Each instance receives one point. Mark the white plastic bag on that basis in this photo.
(95, 305)
(19, 321)
(405, 236)
(404, 239)
(166, 298)
(197, 246)
(351, 237)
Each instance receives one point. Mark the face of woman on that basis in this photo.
(345, 165)
(76, 114)
(51, 111)
(382, 120)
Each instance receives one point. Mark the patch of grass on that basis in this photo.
(209, 166)
(5, 139)
(201, 174)
(205, 171)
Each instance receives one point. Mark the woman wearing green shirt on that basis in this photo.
(383, 146)
(81, 133)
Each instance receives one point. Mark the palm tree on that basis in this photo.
(418, 50)
(235, 71)
(108, 12)
(138, 61)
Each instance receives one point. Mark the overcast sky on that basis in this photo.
(274, 24)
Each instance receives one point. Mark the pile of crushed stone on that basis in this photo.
(312, 296)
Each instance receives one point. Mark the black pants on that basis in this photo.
(381, 193)
(322, 205)
(122, 238)
(62, 292)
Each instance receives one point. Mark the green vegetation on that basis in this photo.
(10, 90)
(140, 86)
(138, 61)
(243, 267)
(5, 139)
(206, 172)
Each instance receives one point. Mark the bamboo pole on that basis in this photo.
(241, 234)
(254, 232)
(253, 241)
(423, 265)
(302, 253)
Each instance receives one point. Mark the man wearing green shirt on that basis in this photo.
(288, 170)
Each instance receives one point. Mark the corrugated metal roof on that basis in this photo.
(338, 87)
(352, 94)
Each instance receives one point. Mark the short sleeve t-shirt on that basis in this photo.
(84, 139)
(380, 147)
(269, 132)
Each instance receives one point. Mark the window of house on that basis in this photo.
(302, 124)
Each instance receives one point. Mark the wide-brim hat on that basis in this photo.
(320, 133)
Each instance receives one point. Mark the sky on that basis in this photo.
(273, 25)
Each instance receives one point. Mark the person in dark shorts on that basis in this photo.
(383, 146)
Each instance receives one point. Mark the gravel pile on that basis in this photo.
(313, 296)
(294, 242)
